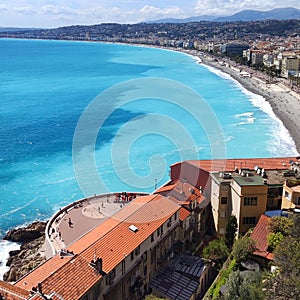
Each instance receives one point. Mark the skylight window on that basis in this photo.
(133, 228)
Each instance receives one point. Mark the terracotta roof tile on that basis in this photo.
(73, 280)
(166, 188)
(101, 230)
(182, 192)
(12, 292)
(72, 277)
(122, 241)
(183, 213)
(280, 163)
(259, 235)
(42, 272)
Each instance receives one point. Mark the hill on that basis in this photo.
(287, 13)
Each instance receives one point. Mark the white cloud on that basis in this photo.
(53, 13)
(227, 7)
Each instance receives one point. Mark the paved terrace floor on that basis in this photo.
(84, 215)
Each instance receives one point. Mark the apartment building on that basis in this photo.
(117, 259)
(245, 188)
(290, 65)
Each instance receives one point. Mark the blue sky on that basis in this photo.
(54, 13)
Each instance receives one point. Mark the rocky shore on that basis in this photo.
(30, 255)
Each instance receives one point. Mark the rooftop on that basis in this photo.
(259, 235)
(248, 181)
(229, 165)
(179, 280)
(112, 241)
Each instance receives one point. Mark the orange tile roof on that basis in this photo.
(73, 280)
(182, 192)
(12, 292)
(166, 188)
(42, 272)
(72, 277)
(101, 230)
(183, 213)
(280, 163)
(122, 241)
(259, 235)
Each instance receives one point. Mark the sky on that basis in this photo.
(55, 13)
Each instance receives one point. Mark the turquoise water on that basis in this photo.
(45, 86)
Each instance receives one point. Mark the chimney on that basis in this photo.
(39, 288)
(97, 264)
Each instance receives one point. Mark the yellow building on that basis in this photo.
(243, 196)
(245, 188)
(291, 195)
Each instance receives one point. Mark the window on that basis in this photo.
(249, 220)
(158, 231)
(222, 230)
(223, 214)
(137, 250)
(223, 200)
(132, 255)
(287, 195)
(110, 277)
(224, 187)
(250, 201)
(152, 237)
(145, 271)
(175, 216)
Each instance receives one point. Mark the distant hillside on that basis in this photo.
(12, 29)
(287, 13)
(187, 20)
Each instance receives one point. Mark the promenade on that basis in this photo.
(78, 218)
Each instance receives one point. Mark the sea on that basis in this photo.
(83, 118)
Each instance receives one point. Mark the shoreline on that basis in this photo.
(284, 103)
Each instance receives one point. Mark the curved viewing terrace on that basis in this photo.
(76, 219)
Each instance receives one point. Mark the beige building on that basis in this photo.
(245, 188)
(290, 66)
(291, 195)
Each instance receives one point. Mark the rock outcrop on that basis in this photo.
(29, 256)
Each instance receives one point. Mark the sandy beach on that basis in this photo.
(283, 98)
(284, 101)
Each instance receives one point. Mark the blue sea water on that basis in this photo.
(45, 87)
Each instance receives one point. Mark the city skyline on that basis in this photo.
(54, 13)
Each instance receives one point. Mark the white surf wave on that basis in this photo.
(5, 248)
(282, 143)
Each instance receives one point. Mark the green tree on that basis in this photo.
(274, 239)
(244, 287)
(281, 224)
(242, 248)
(285, 283)
(230, 231)
(216, 251)
(232, 286)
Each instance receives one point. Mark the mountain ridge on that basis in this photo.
(285, 13)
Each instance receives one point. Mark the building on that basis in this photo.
(128, 254)
(245, 188)
(234, 48)
(259, 235)
(115, 260)
(290, 66)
